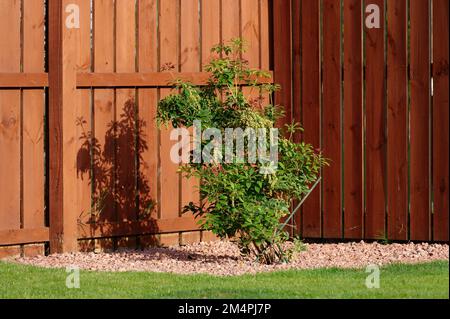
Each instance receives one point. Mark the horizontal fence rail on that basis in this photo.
(23, 80)
(150, 79)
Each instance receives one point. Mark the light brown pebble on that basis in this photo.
(223, 258)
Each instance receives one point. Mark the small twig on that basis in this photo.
(300, 204)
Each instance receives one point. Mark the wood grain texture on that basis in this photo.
(125, 112)
(146, 79)
(104, 110)
(375, 98)
(24, 236)
(265, 51)
(311, 106)
(71, 55)
(230, 20)
(190, 59)
(296, 88)
(10, 118)
(397, 152)
(296, 67)
(210, 29)
(23, 80)
(168, 53)
(250, 31)
(83, 108)
(147, 106)
(33, 117)
(132, 228)
(55, 127)
(420, 215)
(440, 120)
(331, 128)
(282, 58)
(353, 120)
(265, 38)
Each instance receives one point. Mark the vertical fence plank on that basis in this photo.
(264, 26)
(190, 62)
(353, 120)
(311, 104)
(264, 43)
(126, 111)
(397, 156)
(282, 57)
(148, 140)
(210, 29)
(82, 182)
(168, 35)
(103, 113)
(75, 104)
(296, 87)
(440, 120)
(71, 109)
(230, 20)
(210, 36)
(375, 86)
(33, 116)
(420, 118)
(332, 141)
(251, 34)
(250, 31)
(296, 81)
(10, 117)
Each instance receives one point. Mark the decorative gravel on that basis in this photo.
(222, 258)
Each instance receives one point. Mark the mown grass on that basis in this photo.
(427, 280)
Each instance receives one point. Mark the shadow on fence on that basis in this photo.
(120, 193)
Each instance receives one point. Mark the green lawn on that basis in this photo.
(429, 280)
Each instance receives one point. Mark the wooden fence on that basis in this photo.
(375, 100)
(105, 153)
(82, 160)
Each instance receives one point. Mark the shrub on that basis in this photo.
(237, 200)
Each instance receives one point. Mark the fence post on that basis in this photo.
(62, 87)
(55, 125)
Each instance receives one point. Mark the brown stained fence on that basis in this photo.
(81, 157)
(375, 100)
(22, 126)
(85, 130)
